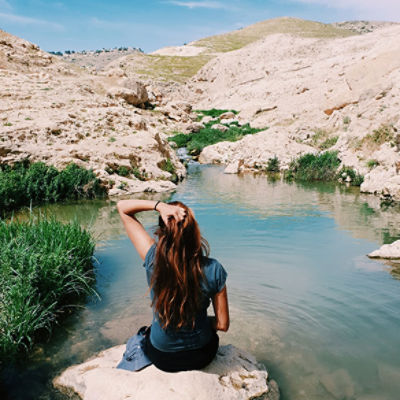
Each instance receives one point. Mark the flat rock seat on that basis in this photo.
(233, 375)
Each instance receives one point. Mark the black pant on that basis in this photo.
(183, 360)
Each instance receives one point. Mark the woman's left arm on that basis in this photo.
(135, 230)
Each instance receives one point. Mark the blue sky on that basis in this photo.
(151, 24)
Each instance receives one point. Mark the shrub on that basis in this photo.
(372, 163)
(214, 113)
(195, 142)
(168, 166)
(356, 178)
(27, 184)
(273, 165)
(45, 267)
(328, 143)
(315, 167)
(123, 171)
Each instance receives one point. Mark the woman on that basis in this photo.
(182, 279)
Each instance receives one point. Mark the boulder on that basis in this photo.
(227, 115)
(220, 127)
(132, 92)
(234, 374)
(387, 251)
(194, 127)
(233, 167)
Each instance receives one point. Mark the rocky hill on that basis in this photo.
(56, 112)
(327, 93)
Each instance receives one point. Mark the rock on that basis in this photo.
(233, 167)
(207, 119)
(220, 127)
(234, 374)
(133, 92)
(227, 115)
(194, 127)
(382, 181)
(387, 251)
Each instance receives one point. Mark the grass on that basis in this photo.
(242, 37)
(315, 167)
(322, 139)
(165, 68)
(45, 268)
(26, 184)
(328, 143)
(322, 167)
(273, 165)
(384, 134)
(195, 142)
(372, 163)
(168, 166)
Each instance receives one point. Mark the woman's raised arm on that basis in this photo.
(135, 230)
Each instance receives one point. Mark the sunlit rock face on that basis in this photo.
(233, 375)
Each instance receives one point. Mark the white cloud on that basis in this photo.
(386, 9)
(20, 19)
(199, 4)
(5, 5)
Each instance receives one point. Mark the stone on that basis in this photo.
(220, 127)
(227, 115)
(233, 167)
(194, 127)
(133, 92)
(233, 375)
(387, 251)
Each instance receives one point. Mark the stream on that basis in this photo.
(304, 298)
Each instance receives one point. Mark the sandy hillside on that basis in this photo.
(311, 91)
(56, 112)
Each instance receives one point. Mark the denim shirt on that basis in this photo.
(171, 339)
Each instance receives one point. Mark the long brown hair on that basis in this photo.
(178, 271)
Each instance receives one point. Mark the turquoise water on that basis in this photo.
(303, 296)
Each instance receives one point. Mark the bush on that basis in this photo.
(214, 113)
(27, 184)
(372, 163)
(315, 167)
(356, 178)
(168, 166)
(45, 267)
(273, 165)
(195, 142)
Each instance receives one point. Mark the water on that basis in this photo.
(303, 296)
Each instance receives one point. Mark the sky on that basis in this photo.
(152, 24)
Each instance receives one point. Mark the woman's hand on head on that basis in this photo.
(168, 211)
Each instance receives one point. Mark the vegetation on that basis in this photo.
(372, 163)
(349, 173)
(168, 166)
(26, 184)
(242, 37)
(214, 113)
(195, 142)
(165, 68)
(273, 165)
(45, 267)
(384, 134)
(315, 167)
(328, 143)
(322, 167)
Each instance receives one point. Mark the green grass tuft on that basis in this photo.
(27, 184)
(315, 167)
(273, 165)
(45, 268)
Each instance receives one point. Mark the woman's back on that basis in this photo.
(187, 337)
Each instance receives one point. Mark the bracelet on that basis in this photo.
(155, 207)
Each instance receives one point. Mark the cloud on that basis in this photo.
(199, 4)
(5, 5)
(20, 19)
